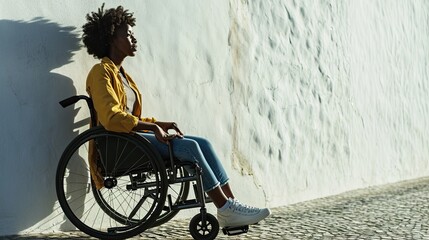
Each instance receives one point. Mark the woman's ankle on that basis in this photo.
(218, 197)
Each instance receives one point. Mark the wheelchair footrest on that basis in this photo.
(230, 231)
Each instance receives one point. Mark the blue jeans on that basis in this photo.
(197, 150)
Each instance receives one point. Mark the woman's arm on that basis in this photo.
(160, 133)
(106, 102)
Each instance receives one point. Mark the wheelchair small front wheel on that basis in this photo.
(206, 228)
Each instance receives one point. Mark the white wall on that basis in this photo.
(302, 99)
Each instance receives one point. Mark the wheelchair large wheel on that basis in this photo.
(179, 193)
(134, 184)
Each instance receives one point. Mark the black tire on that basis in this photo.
(128, 207)
(204, 229)
(179, 193)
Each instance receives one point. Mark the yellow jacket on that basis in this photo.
(104, 86)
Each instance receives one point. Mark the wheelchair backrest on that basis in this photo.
(72, 100)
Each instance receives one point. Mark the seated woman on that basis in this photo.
(108, 35)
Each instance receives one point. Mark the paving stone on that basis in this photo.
(395, 211)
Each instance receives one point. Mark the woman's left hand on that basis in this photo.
(170, 125)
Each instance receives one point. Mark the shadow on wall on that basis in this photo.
(34, 128)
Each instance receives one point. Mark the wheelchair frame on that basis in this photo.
(147, 184)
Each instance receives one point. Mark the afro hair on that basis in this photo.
(100, 29)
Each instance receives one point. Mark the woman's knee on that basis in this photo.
(186, 143)
(187, 148)
(202, 142)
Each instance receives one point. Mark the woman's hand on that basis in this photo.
(162, 134)
(166, 126)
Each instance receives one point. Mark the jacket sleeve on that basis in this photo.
(149, 119)
(106, 103)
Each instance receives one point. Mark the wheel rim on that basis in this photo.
(107, 213)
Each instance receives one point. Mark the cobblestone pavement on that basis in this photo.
(396, 211)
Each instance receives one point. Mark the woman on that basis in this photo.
(108, 35)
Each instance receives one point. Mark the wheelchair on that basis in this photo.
(139, 188)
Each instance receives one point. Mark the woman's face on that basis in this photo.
(124, 41)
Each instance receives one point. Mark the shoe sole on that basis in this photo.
(244, 224)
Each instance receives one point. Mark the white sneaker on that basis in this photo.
(237, 214)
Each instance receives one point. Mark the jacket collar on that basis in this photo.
(107, 61)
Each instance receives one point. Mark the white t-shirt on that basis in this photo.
(129, 94)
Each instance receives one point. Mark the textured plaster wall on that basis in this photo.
(329, 95)
(302, 99)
